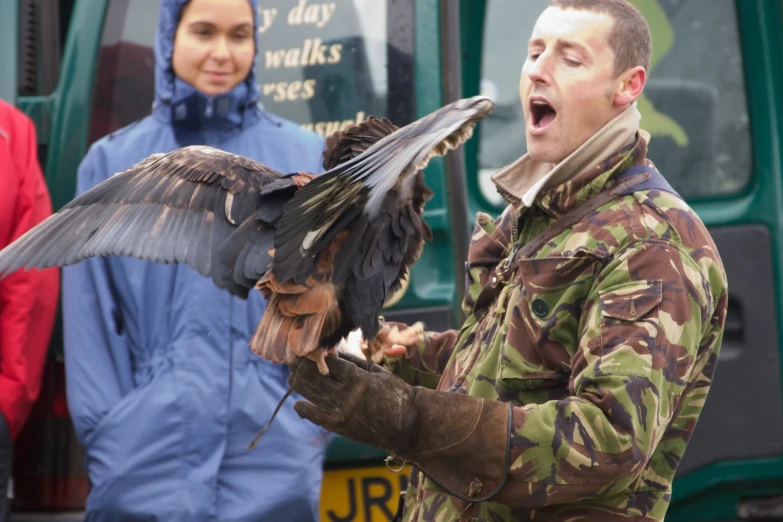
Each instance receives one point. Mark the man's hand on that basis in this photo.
(358, 399)
(460, 442)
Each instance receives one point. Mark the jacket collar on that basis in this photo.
(572, 193)
(558, 188)
(189, 108)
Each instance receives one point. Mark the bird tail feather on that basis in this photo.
(293, 320)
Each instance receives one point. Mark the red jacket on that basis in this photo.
(28, 299)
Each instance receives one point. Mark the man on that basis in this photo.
(574, 385)
(28, 300)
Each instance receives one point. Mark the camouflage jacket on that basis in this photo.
(605, 343)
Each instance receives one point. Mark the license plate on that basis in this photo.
(368, 494)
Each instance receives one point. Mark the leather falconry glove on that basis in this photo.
(459, 442)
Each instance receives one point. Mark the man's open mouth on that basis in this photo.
(542, 113)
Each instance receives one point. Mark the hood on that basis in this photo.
(181, 101)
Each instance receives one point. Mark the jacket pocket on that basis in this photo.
(120, 409)
(143, 434)
(543, 321)
(629, 328)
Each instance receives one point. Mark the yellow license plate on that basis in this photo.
(369, 494)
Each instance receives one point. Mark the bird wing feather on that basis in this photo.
(178, 207)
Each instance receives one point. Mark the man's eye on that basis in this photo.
(534, 56)
(572, 62)
(241, 36)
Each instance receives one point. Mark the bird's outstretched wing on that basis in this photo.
(178, 207)
(353, 194)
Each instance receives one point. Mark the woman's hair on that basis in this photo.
(182, 10)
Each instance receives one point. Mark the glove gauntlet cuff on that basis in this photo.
(469, 455)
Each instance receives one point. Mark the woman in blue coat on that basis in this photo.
(163, 389)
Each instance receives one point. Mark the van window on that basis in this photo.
(321, 65)
(694, 103)
(42, 28)
(332, 69)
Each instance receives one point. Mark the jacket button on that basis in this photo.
(540, 308)
(474, 488)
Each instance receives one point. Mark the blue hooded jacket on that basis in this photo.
(162, 387)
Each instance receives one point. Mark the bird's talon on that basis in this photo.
(319, 358)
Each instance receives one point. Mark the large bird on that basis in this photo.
(325, 250)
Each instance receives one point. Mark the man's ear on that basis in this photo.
(630, 85)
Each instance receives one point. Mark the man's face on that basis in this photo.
(568, 85)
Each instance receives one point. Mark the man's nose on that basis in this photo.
(538, 70)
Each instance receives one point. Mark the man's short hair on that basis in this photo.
(630, 37)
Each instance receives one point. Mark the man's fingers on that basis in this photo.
(396, 350)
(316, 415)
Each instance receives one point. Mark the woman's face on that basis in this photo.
(214, 45)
